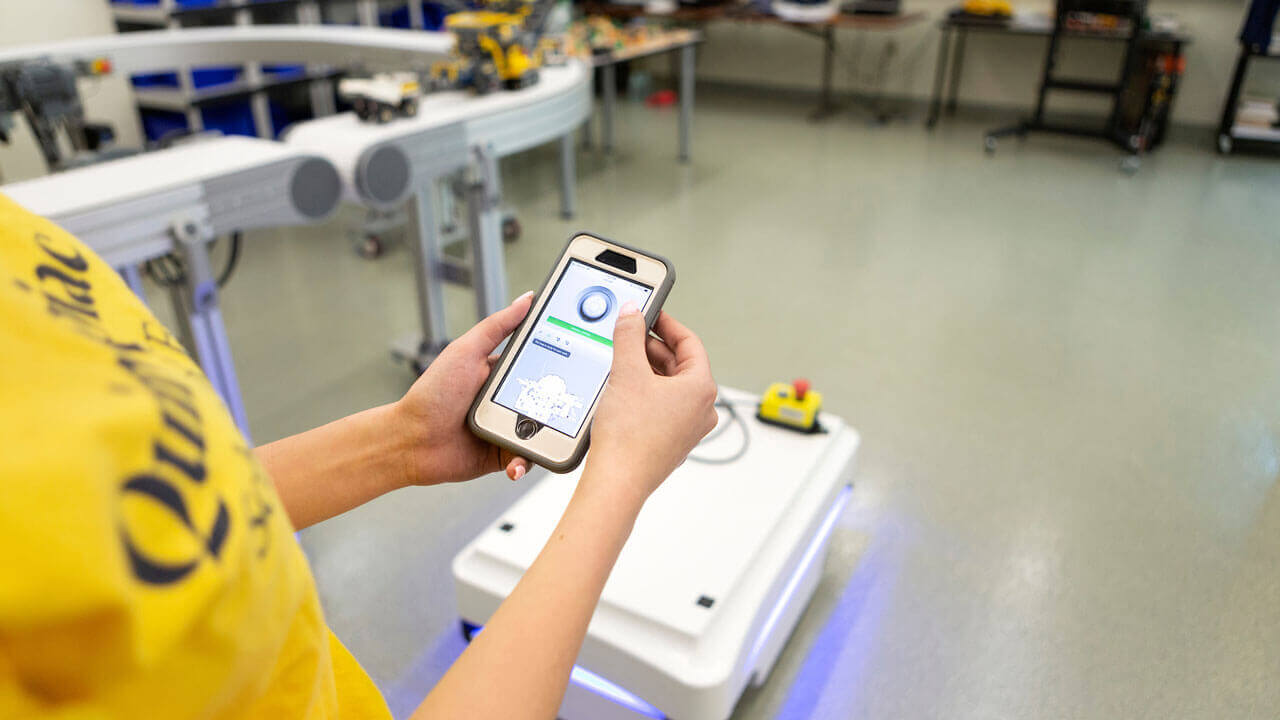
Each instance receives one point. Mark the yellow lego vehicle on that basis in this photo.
(496, 47)
(791, 405)
(988, 8)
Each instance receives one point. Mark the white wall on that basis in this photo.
(108, 99)
(999, 70)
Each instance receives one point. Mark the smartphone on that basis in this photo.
(541, 395)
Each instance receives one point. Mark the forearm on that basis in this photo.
(519, 666)
(326, 471)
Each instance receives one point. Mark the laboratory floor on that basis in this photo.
(1067, 382)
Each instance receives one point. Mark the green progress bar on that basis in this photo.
(574, 328)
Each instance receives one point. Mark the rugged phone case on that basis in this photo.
(650, 317)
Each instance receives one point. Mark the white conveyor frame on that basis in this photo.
(385, 164)
(85, 200)
(158, 50)
(177, 200)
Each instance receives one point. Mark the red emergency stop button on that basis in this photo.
(802, 388)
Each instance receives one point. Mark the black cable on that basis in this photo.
(233, 259)
(734, 417)
(167, 270)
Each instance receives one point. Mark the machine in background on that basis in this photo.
(45, 93)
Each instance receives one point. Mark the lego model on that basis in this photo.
(383, 97)
(498, 47)
(988, 8)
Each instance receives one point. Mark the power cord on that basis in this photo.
(233, 259)
(734, 418)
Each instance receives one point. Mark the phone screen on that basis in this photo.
(562, 365)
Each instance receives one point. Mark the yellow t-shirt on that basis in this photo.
(147, 568)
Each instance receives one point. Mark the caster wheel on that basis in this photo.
(1224, 144)
(370, 248)
(989, 145)
(510, 229)
(409, 108)
(1131, 164)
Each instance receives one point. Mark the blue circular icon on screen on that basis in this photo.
(595, 303)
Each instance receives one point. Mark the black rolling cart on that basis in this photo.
(1141, 96)
(1255, 42)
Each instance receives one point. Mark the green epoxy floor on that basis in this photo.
(1067, 381)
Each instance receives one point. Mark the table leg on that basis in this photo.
(1230, 108)
(878, 109)
(687, 70)
(956, 65)
(587, 141)
(568, 177)
(428, 258)
(488, 265)
(367, 12)
(939, 77)
(208, 334)
(609, 79)
(826, 105)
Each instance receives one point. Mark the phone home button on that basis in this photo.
(525, 428)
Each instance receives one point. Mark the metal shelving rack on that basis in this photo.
(1131, 10)
(1229, 131)
(254, 83)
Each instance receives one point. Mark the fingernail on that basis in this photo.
(523, 295)
(628, 308)
(519, 473)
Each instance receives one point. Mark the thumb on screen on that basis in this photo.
(628, 340)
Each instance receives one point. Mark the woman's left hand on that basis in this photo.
(434, 411)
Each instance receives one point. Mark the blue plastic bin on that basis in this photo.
(200, 77)
(284, 71)
(233, 118)
(157, 123)
(432, 17)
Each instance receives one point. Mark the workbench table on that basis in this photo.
(826, 31)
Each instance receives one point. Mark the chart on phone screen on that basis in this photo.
(565, 359)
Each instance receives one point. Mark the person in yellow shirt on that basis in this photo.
(148, 566)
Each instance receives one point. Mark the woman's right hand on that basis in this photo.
(658, 404)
